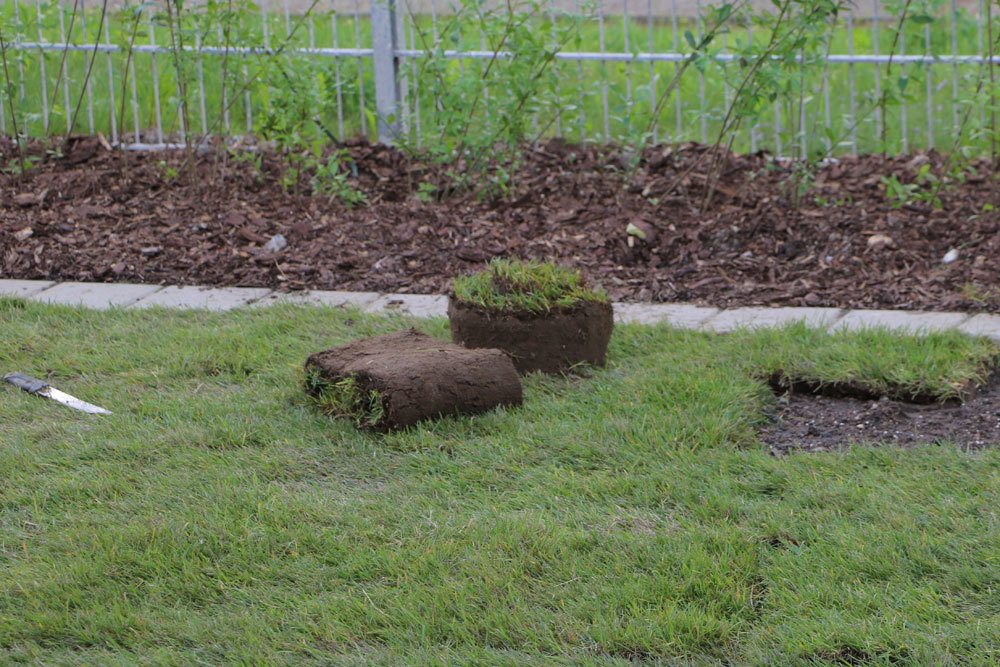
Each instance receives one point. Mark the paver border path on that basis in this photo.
(103, 296)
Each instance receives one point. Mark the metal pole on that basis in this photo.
(386, 68)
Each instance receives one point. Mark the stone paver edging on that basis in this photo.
(686, 316)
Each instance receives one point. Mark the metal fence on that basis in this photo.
(116, 70)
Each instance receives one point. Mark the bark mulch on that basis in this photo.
(92, 215)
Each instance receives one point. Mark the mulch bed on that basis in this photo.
(804, 422)
(89, 215)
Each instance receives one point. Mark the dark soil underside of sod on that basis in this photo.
(91, 218)
(819, 423)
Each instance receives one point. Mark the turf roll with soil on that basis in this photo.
(542, 314)
(396, 380)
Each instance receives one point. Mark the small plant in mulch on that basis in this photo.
(396, 380)
(544, 315)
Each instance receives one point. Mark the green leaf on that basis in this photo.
(690, 39)
(632, 230)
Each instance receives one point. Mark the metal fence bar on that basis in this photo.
(336, 77)
(851, 91)
(112, 107)
(88, 55)
(484, 87)
(63, 74)
(702, 116)
(199, 63)
(41, 69)
(827, 115)
(579, 84)
(726, 92)
(135, 99)
(755, 128)
(361, 68)
(979, 39)
(626, 21)
(654, 120)
(604, 72)
(929, 72)
(156, 81)
(659, 57)
(266, 26)
(416, 84)
(554, 36)
(678, 104)
(954, 71)
(20, 63)
(386, 65)
(903, 115)
(877, 72)
(222, 37)
(247, 102)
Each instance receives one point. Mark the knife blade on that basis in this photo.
(38, 387)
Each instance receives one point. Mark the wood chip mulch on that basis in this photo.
(95, 215)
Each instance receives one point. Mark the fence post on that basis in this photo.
(386, 67)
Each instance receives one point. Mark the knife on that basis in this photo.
(44, 389)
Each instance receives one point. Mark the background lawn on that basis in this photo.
(215, 517)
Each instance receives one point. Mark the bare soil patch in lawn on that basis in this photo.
(90, 215)
(806, 420)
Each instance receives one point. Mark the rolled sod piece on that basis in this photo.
(542, 314)
(393, 381)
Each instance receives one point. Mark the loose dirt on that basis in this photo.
(93, 215)
(419, 377)
(804, 422)
(550, 342)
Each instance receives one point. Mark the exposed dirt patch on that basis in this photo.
(821, 423)
(91, 215)
(405, 377)
(551, 342)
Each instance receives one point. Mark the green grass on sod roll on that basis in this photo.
(218, 517)
(526, 286)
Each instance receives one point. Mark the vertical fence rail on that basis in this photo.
(43, 79)
(386, 67)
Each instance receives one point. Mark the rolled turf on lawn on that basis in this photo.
(399, 379)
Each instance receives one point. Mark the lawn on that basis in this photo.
(626, 514)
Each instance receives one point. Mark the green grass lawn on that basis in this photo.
(587, 92)
(632, 514)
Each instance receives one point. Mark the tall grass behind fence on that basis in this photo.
(155, 74)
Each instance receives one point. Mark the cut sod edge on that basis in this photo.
(781, 383)
(550, 342)
(352, 395)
